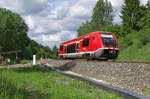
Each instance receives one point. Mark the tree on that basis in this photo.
(101, 18)
(55, 52)
(131, 14)
(102, 14)
(116, 29)
(13, 31)
(85, 28)
(145, 20)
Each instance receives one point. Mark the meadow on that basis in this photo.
(38, 83)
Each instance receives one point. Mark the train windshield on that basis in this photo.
(108, 40)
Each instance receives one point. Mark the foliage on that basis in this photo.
(139, 49)
(13, 36)
(48, 84)
(131, 12)
(145, 20)
(25, 61)
(116, 29)
(13, 31)
(102, 14)
(143, 37)
(55, 52)
(135, 46)
(85, 28)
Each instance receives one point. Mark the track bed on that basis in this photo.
(132, 76)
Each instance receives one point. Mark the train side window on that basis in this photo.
(71, 48)
(61, 47)
(85, 42)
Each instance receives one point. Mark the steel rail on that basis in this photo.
(110, 61)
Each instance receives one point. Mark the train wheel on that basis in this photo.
(61, 57)
(90, 58)
(105, 59)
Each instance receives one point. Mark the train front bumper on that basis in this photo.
(110, 53)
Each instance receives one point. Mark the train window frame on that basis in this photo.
(61, 47)
(108, 40)
(85, 42)
(65, 49)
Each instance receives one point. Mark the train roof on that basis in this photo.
(83, 37)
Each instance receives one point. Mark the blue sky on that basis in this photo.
(53, 21)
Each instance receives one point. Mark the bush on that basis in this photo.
(143, 37)
(125, 42)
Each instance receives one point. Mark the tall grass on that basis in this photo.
(8, 89)
(38, 83)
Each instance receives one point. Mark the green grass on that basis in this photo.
(132, 48)
(38, 83)
(147, 90)
(24, 61)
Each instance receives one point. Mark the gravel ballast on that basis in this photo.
(131, 76)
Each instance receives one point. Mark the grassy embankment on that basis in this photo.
(135, 47)
(36, 82)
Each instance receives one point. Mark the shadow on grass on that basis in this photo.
(35, 68)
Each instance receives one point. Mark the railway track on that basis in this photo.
(110, 61)
(124, 62)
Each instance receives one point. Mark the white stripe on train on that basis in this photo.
(91, 52)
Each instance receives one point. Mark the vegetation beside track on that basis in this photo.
(135, 47)
(36, 82)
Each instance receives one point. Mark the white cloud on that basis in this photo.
(70, 23)
(30, 22)
(80, 12)
(62, 10)
(143, 1)
(60, 36)
(116, 3)
(50, 38)
(24, 6)
(82, 9)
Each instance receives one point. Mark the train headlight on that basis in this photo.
(112, 52)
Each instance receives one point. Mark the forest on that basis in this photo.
(13, 37)
(133, 33)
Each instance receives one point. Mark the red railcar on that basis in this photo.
(98, 45)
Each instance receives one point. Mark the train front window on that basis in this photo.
(108, 40)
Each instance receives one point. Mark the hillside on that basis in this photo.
(135, 47)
